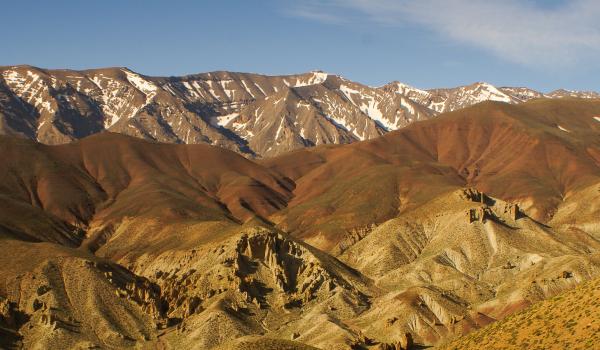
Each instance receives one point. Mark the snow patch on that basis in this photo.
(315, 78)
(261, 90)
(13, 78)
(239, 126)
(211, 90)
(490, 92)
(247, 89)
(223, 120)
(279, 129)
(407, 106)
(404, 89)
(348, 92)
(230, 93)
(198, 88)
(562, 129)
(438, 106)
(371, 109)
(342, 124)
(169, 89)
(145, 86)
(96, 80)
(190, 89)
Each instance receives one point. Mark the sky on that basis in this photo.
(425, 43)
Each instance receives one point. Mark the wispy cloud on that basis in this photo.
(319, 11)
(521, 31)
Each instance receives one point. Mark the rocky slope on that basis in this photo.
(422, 235)
(252, 114)
(445, 273)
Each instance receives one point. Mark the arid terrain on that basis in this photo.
(474, 227)
(567, 321)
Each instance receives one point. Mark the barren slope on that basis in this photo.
(434, 230)
(567, 321)
(546, 150)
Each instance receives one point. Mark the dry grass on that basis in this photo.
(568, 321)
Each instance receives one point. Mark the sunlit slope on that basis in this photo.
(433, 231)
(568, 321)
(514, 152)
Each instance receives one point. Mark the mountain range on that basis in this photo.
(256, 115)
(449, 231)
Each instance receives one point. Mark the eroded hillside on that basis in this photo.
(417, 237)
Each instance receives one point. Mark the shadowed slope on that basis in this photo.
(106, 177)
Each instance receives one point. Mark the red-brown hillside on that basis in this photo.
(536, 153)
(106, 177)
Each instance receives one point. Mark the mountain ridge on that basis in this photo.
(234, 110)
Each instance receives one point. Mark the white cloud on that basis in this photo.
(517, 30)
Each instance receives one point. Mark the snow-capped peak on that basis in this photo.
(319, 76)
(312, 78)
(488, 92)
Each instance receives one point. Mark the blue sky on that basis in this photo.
(425, 43)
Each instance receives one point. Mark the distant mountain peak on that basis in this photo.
(249, 113)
